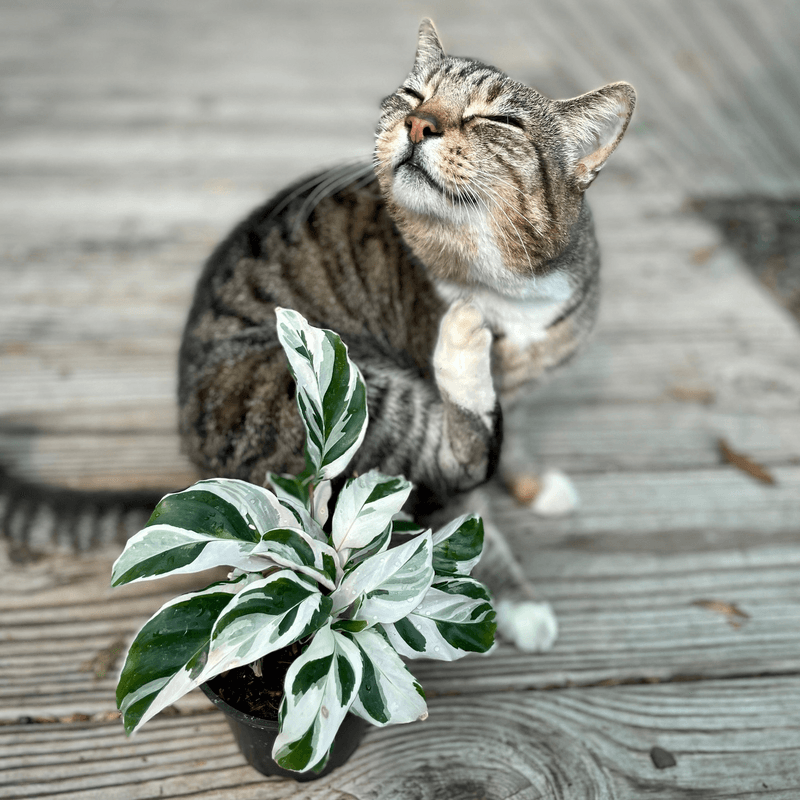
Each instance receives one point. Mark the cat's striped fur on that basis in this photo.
(460, 269)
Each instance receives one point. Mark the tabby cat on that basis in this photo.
(461, 268)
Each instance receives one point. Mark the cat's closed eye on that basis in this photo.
(502, 119)
(412, 92)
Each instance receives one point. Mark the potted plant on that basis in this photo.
(326, 593)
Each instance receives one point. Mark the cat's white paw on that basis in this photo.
(462, 359)
(531, 626)
(557, 495)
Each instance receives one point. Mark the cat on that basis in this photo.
(460, 268)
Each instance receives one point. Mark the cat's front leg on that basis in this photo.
(547, 492)
(471, 425)
(462, 360)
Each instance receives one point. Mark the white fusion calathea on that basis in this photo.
(354, 603)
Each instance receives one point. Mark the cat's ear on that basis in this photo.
(429, 46)
(594, 125)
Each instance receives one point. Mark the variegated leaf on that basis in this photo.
(331, 394)
(376, 546)
(323, 491)
(270, 613)
(257, 505)
(169, 653)
(457, 547)
(165, 550)
(319, 689)
(454, 618)
(213, 523)
(385, 587)
(365, 507)
(289, 486)
(402, 526)
(301, 517)
(294, 548)
(389, 693)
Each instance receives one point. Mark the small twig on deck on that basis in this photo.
(729, 610)
(744, 463)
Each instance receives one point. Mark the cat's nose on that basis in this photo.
(421, 125)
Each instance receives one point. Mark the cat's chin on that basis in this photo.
(417, 192)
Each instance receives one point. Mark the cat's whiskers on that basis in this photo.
(541, 230)
(345, 176)
(314, 181)
(500, 202)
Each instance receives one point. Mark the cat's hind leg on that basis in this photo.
(523, 618)
(548, 493)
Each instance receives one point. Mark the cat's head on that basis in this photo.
(483, 175)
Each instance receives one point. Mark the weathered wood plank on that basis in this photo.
(129, 448)
(627, 604)
(728, 738)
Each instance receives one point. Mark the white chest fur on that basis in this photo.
(524, 316)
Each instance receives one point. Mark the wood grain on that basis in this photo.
(136, 133)
(628, 611)
(728, 738)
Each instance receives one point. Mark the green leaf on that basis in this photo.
(457, 547)
(270, 613)
(320, 687)
(389, 693)
(222, 507)
(454, 618)
(167, 656)
(302, 518)
(331, 394)
(365, 508)
(385, 587)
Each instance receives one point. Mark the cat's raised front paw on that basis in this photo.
(531, 626)
(462, 359)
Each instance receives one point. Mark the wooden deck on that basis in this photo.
(135, 133)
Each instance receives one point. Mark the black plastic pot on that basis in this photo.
(256, 736)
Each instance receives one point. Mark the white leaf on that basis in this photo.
(255, 502)
(294, 548)
(331, 393)
(389, 693)
(300, 516)
(365, 508)
(320, 687)
(388, 585)
(322, 495)
(166, 659)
